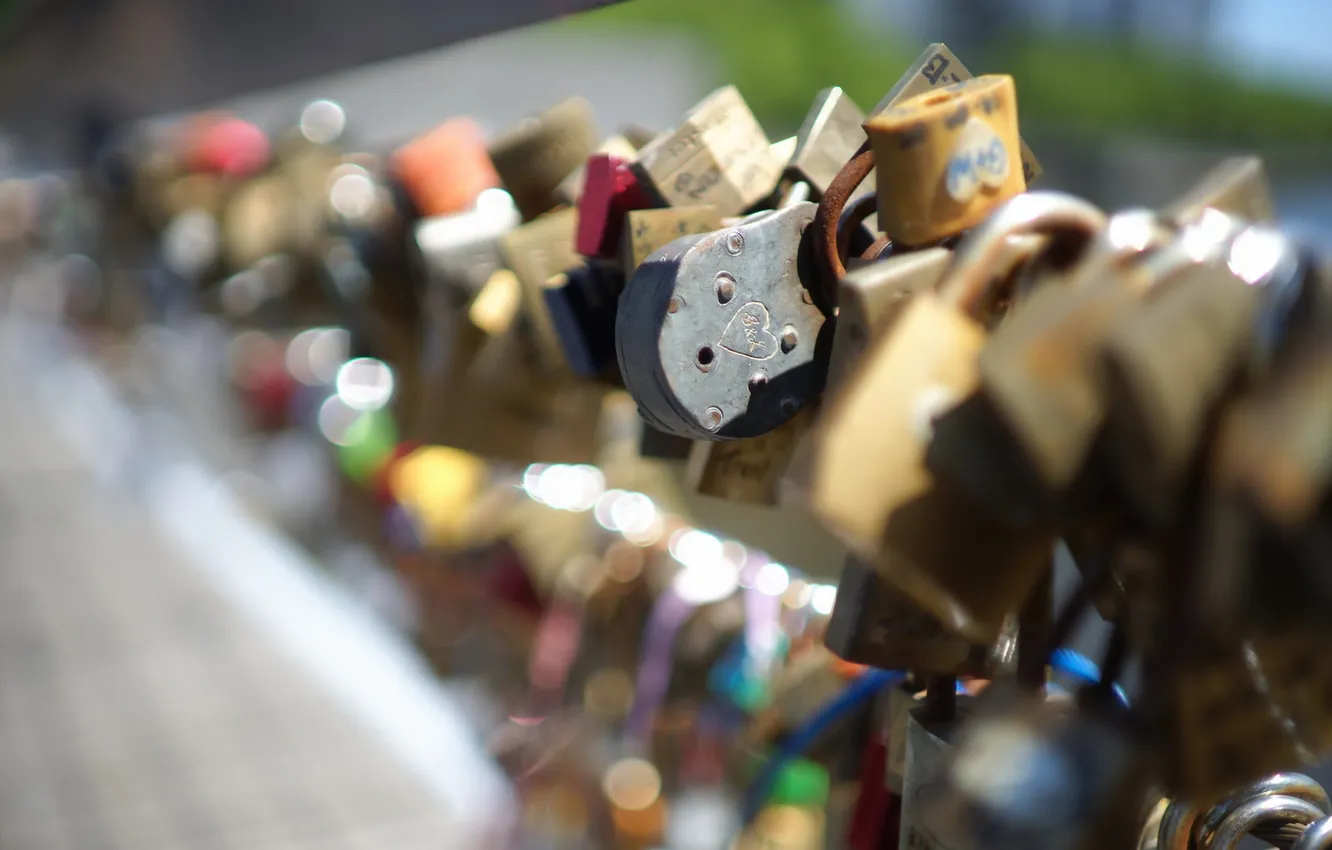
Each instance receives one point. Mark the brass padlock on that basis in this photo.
(746, 470)
(539, 153)
(719, 155)
(876, 624)
(946, 158)
(1024, 444)
(868, 482)
(538, 252)
(938, 67)
(1177, 358)
(829, 136)
(647, 231)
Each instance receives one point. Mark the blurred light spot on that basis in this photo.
(190, 243)
(352, 192)
(1255, 253)
(323, 121)
(1202, 239)
(772, 579)
(696, 548)
(632, 784)
(336, 419)
(1132, 230)
(735, 553)
(242, 293)
(328, 351)
(567, 487)
(822, 597)
(365, 383)
(797, 594)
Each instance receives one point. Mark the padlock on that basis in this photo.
(1237, 186)
(462, 250)
(610, 191)
(938, 67)
(1191, 345)
(717, 336)
(945, 159)
(870, 299)
(571, 187)
(256, 222)
(581, 303)
(718, 156)
(537, 252)
(646, 231)
(445, 170)
(746, 470)
(1024, 444)
(1039, 774)
(868, 482)
(537, 155)
(875, 624)
(829, 136)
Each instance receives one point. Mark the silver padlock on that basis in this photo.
(717, 336)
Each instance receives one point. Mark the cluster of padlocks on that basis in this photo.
(879, 323)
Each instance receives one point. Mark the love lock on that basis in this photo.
(717, 336)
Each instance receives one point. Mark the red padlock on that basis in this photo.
(610, 191)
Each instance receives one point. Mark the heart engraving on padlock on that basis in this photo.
(979, 159)
(749, 333)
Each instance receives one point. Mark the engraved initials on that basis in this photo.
(747, 333)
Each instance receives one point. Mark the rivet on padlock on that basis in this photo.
(719, 156)
(868, 482)
(716, 338)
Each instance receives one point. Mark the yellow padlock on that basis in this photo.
(865, 464)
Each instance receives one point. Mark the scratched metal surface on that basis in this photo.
(140, 709)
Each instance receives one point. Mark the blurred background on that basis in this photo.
(212, 632)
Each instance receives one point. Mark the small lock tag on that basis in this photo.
(444, 171)
(610, 191)
(462, 250)
(746, 470)
(938, 67)
(534, 157)
(717, 336)
(718, 156)
(867, 480)
(946, 158)
(829, 136)
(537, 252)
(647, 231)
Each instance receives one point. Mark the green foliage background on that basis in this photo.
(779, 52)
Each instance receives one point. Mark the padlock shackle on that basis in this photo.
(828, 264)
(972, 271)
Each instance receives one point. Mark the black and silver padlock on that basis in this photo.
(717, 336)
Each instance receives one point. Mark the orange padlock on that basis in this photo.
(445, 170)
